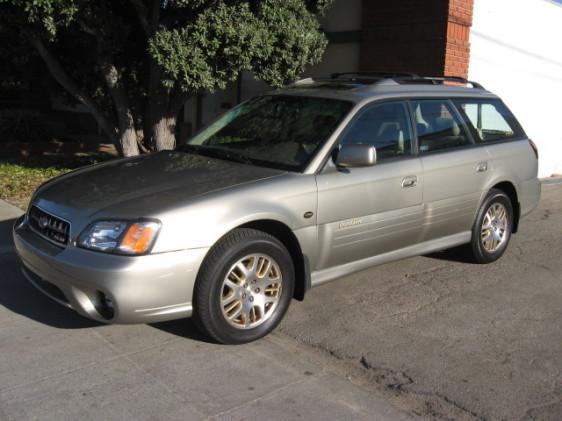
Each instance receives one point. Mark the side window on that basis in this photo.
(385, 126)
(490, 119)
(438, 126)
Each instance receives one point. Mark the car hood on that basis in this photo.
(139, 186)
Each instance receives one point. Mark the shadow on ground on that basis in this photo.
(459, 254)
(184, 328)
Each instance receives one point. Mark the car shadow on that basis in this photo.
(184, 328)
(20, 297)
(459, 254)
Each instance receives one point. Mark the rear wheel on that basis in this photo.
(244, 287)
(493, 227)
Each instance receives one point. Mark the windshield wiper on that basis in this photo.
(216, 153)
(231, 156)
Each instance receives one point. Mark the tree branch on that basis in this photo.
(88, 29)
(142, 14)
(59, 74)
(154, 17)
(116, 87)
(117, 91)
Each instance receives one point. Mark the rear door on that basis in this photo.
(512, 156)
(455, 169)
(363, 212)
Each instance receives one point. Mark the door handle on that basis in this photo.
(410, 181)
(482, 167)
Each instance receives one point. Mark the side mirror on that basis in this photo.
(356, 155)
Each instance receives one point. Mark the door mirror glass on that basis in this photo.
(356, 155)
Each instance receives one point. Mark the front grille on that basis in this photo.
(48, 226)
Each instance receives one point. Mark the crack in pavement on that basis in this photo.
(393, 381)
(91, 364)
(259, 398)
(147, 373)
(549, 404)
(398, 380)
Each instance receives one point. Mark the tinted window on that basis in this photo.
(277, 131)
(490, 119)
(385, 126)
(438, 126)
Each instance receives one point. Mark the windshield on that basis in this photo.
(276, 131)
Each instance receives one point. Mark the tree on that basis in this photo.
(134, 63)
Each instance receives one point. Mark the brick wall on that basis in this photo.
(457, 51)
(427, 37)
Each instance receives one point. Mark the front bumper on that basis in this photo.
(110, 288)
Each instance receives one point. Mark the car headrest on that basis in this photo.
(447, 124)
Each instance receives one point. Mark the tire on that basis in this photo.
(492, 228)
(236, 278)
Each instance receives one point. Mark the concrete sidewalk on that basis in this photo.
(56, 365)
(7, 214)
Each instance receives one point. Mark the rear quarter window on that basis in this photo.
(490, 120)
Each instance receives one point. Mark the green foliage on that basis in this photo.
(209, 52)
(49, 14)
(295, 41)
(203, 49)
(19, 177)
(183, 46)
(276, 40)
(318, 6)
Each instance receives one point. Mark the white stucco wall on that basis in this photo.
(516, 52)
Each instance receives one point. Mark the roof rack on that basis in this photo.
(440, 80)
(375, 75)
(386, 78)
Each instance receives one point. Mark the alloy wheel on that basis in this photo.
(251, 291)
(494, 231)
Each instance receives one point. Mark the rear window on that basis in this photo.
(491, 120)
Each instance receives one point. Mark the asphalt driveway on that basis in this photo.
(429, 337)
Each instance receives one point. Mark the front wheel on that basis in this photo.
(493, 227)
(244, 288)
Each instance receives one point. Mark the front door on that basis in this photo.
(364, 212)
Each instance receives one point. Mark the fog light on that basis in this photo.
(105, 306)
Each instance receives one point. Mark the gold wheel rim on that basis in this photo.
(494, 231)
(251, 291)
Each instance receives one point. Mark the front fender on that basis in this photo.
(203, 222)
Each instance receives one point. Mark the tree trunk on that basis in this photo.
(164, 133)
(128, 141)
(57, 72)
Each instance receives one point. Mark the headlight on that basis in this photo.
(120, 237)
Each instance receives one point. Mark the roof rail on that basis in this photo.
(385, 78)
(375, 75)
(305, 81)
(439, 80)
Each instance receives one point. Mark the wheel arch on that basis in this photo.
(284, 234)
(509, 189)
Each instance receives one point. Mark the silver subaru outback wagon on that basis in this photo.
(285, 192)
